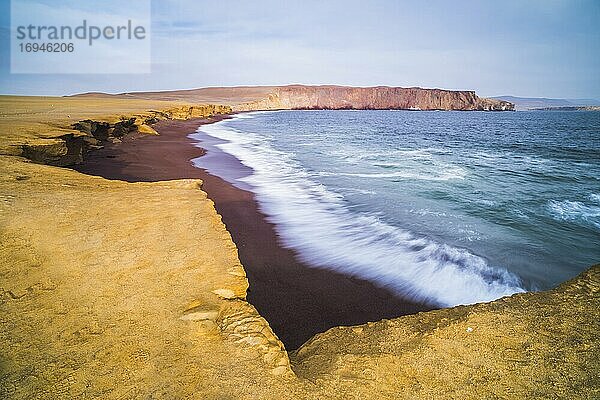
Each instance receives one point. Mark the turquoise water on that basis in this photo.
(445, 207)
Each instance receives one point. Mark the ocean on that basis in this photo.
(442, 207)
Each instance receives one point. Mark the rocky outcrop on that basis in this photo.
(65, 150)
(530, 345)
(87, 135)
(302, 97)
(299, 97)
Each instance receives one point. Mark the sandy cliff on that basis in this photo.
(250, 98)
(108, 290)
(527, 346)
(60, 131)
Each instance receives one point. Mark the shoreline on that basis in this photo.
(297, 300)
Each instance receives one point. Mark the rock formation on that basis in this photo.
(68, 145)
(292, 97)
(531, 345)
(298, 97)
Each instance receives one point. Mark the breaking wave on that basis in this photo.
(577, 211)
(318, 224)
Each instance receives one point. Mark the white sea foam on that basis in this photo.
(424, 212)
(326, 233)
(452, 173)
(381, 158)
(486, 202)
(250, 115)
(357, 191)
(439, 173)
(576, 211)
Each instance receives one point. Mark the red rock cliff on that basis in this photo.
(250, 98)
(380, 97)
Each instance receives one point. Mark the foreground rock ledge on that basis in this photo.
(117, 290)
(533, 345)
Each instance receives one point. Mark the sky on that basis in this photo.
(535, 48)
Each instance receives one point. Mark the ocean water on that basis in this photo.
(443, 207)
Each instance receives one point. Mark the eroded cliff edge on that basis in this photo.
(111, 289)
(527, 346)
(61, 131)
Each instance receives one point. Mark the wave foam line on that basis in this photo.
(576, 211)
(314, 221)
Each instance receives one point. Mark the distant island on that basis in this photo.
(533, 103)
(569, 108)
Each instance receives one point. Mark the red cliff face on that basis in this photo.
(294, 97)
(380, 97)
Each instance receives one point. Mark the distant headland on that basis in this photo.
(327, 97)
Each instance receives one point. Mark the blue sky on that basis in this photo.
(538, 48)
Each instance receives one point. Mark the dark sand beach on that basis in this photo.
(298, 301)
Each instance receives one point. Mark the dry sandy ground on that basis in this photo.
(26, 119)
(119, 290)
(110, 291)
